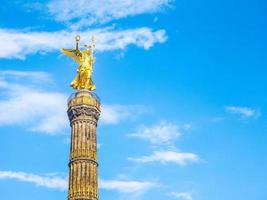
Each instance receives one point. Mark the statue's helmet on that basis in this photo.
(87, 49)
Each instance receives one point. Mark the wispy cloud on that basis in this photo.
(24, 97)
(243, 112)
(162, 133)
(23, 104)
(40, 76)
(129, 187)
(57, 182)
(84, 13)
(163, 136)
(18, 44)
(53, 182)
(179, 158)
(113, 114)
(181, 195)
(42, 111)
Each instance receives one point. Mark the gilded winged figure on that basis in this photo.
(85, 59)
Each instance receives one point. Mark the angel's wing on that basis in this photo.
(73, 53)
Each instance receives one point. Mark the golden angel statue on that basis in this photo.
(85, 59)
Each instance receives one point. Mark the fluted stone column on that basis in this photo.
(83, 112)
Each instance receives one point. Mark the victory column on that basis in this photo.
(83, 113)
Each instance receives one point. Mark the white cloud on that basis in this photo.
(113, 114)
(163, 133)
(244, 112)
(41, 111)
(40, 76)
(53, 182)
(82, 13)
(163, 136)
(181, 195)
(19, 44)
(23, 103)
(178, 158)
(133, 187)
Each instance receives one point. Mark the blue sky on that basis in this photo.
(182, 85)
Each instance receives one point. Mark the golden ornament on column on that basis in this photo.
(85, 59)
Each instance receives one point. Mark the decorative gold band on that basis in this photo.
(83, 153)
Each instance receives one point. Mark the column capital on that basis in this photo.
(83, 112)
